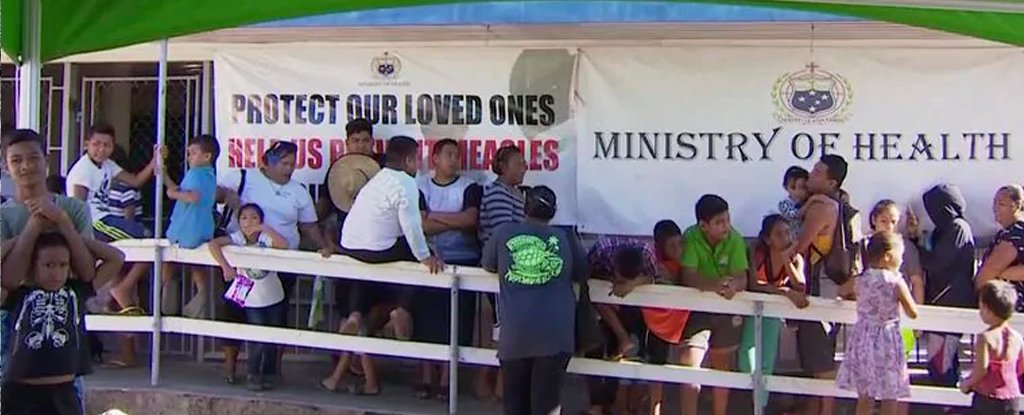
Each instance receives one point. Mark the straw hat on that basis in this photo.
(346, 176)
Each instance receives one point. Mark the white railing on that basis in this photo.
(759, 305)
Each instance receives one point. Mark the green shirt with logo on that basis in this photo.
(726, 259)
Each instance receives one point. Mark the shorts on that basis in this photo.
(21, 399)
(113, 228)
(816, 348)
(715, 331)
(984, 405)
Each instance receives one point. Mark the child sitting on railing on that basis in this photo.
(998, 354)
(875, 365)
(258, 291)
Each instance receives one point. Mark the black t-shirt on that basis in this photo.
(49, 330)
(1014, 234)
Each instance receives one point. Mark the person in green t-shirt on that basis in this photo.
(714, 259)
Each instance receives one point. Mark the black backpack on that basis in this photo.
(844, 260)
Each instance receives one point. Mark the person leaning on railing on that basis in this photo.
(714, 260)
(771, 272)
(1005, 259)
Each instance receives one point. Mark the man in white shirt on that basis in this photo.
(385, 225)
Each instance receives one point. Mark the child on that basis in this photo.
(665, 324)
(875, 365)
(49, 349)
(192, 219)
(791, 208)
(264, 300)
(998, 354)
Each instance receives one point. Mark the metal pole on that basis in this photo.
(65, 125)
(453, 346)
(758, 372)
(161, 120)
(30, 71)
(206, 102)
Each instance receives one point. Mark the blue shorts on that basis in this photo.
(116, 228)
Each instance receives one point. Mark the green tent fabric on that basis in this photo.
(79, 26)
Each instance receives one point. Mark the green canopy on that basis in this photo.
(78, 26)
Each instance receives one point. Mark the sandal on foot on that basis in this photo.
(359, 389)
(323, 386)
(442, 393)
(131, 311)
(423, 391)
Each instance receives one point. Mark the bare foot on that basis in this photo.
(625, 348)
(483, 391)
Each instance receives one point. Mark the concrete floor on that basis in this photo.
(190, 388)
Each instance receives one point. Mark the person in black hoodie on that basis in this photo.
(947, 257)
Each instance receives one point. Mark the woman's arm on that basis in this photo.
(999, 260)
(277, 241)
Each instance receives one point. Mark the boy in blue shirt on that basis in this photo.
(192, 219)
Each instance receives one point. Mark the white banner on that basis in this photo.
(662, 126)
(659, 126)
(483, 97)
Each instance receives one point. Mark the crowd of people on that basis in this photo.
(374, 208)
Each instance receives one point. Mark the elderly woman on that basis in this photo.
(289, 211)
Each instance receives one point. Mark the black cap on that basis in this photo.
(541, 202)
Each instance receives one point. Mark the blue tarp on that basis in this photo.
(519, 12)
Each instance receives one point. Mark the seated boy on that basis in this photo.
(192, 219)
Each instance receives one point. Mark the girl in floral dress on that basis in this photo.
(875, 366)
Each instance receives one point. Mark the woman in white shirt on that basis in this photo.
(288, 209)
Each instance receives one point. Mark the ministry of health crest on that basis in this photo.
(812, 96)
(386, 66)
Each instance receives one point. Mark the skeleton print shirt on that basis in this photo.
(49, 332)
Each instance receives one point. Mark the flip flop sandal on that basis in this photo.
(442, 393)
(423, 391)
(131, 311)
(117, 364)
(359, 389)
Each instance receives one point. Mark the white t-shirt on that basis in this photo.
(284, 206)
(386, 209)
(266, 286)
(97, 179)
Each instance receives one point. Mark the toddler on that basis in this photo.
(998, 354)
(792, 207)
